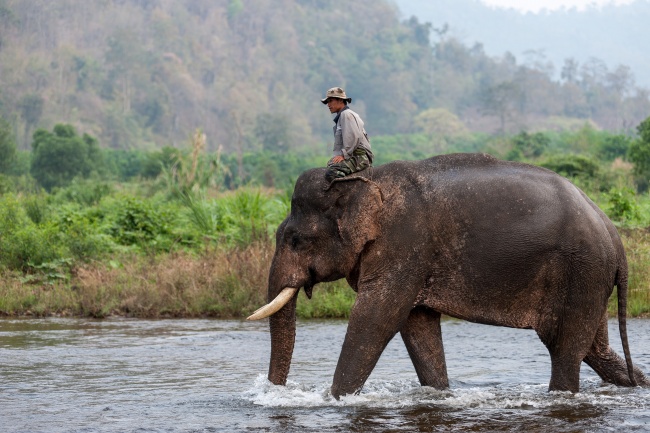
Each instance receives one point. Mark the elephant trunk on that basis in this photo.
(281, 310)
(283, 337)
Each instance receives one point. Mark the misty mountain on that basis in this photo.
(250, 74)
(614, 35)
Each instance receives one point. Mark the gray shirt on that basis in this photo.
(349, 134)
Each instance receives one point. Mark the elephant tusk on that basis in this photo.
(275, 305)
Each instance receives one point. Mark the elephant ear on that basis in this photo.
(357, 211)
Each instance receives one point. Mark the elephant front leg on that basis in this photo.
(423, 339)
(374, 321)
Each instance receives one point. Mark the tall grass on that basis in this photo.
(217, 282)
(223, 283)
(637, 248)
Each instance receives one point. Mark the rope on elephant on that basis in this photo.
(357, 177)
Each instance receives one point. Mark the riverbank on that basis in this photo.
(219, 283)
(229, 283)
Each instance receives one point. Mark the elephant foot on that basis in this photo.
(338, 392)
(641, 379)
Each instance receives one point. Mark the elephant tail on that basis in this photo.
(621, 291)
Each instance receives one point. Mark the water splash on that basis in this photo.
(406, 393)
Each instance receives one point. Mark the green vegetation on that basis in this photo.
(182, 232)
(104, 209)
(61, 155)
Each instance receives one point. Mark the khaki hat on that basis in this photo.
(335, 92)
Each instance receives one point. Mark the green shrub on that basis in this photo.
(572, 165)
(31, 246)
(61, 155)
(83, 234)
(142, 223)
(86, 192)
(237, 219)
(623, 206)
(329, 300)
(526, 146)
(36, 208)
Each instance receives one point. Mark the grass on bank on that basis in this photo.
(637, 248)
(220, 283)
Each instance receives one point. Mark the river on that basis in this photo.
(120, 375)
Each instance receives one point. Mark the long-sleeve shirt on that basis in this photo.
(349, 134)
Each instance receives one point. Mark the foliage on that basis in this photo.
(526, 146)
(639, 154)
(143, 223)
(240, 218)
(85, 236)
(25, 245)
(129, 164)
(85, 192)
(31, 109)
(572, 165)
(7, 146)
(273, 131)
(21, 163)
(60, 156)
(194, 171)
(439, 121)
(615, 146)
(623, 205)
(136, 77)
(330, 300)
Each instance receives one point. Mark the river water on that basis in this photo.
(118, 375)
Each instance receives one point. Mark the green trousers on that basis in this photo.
(357, 162)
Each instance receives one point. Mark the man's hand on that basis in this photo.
(337, 159)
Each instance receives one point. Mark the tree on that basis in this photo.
(31, 109)
(272, 130)
(614, 146)
(60, 156)
(439, 121)
(639, 155)
(500, 101)
(7, 146)
(525, 145)
(570, 70)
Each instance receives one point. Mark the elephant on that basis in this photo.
(465, 235)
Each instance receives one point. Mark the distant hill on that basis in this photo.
(616, 35)
(250, 73)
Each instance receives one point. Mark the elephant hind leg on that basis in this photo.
(565, 372)
(567, 348)
(608, 364)
(423, 339)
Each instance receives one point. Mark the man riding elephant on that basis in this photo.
(351, 145)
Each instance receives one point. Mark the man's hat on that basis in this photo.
(336, 92)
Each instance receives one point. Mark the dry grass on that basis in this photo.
(637, 248)
(222, 284)
(217, 284)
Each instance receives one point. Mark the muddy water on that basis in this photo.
(61, 375)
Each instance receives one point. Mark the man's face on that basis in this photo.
(335, 104)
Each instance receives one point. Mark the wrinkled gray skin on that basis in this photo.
(465, 235)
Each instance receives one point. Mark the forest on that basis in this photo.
(143, 74)
(148, 148)
(610, 33)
